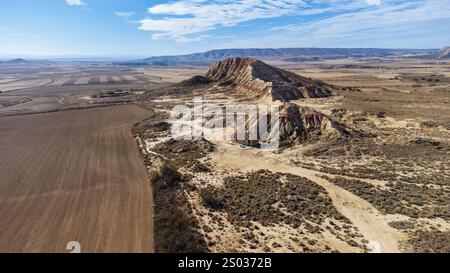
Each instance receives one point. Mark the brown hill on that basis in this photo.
(260, 80)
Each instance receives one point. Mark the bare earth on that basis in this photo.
(74, 176)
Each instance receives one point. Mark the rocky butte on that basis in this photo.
(260, 80)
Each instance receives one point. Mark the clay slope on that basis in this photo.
(258, 79)
(298, 125)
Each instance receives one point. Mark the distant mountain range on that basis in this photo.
(286, 54)
(268, 54)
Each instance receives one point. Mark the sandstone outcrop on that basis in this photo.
(298, 125)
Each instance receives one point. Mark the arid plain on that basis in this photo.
(87, 155)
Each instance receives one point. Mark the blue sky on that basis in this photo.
(159, 27)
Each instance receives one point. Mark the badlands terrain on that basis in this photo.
(87, 155)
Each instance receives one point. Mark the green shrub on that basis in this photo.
(199, 167)
(210, 198)
(166, 174)
(175, 233)
(430, 242)
(175, 230)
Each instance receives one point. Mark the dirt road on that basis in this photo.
(370, 223)
(74, 176)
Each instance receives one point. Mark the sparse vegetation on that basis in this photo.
(401, 198)
(175, 230)
(183, 153)
(210, 198)
(403, 225)
(430, 242)
(168, 175)
(199, 167)
(270, 198)
(152, 127)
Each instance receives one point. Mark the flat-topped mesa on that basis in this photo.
(256, 78)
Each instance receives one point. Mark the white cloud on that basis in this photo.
(74, 2)
(185, 18)
(412, 23)
(398, 13)
(124, 13)
(374, 2)
(194, 20)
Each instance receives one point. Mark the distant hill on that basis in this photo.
(443, 54)
(14, 61)
(286, 54)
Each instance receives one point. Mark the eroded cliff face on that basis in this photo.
(296, 125)
(300, 124)
(256, 78)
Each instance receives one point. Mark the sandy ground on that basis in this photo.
(9, 86)
(370, 223)
(74, 176)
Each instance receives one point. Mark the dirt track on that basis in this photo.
(74, 176)
(371, 224)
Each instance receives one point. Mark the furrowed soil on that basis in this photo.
(74, 176)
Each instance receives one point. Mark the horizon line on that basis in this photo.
(125, 56)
